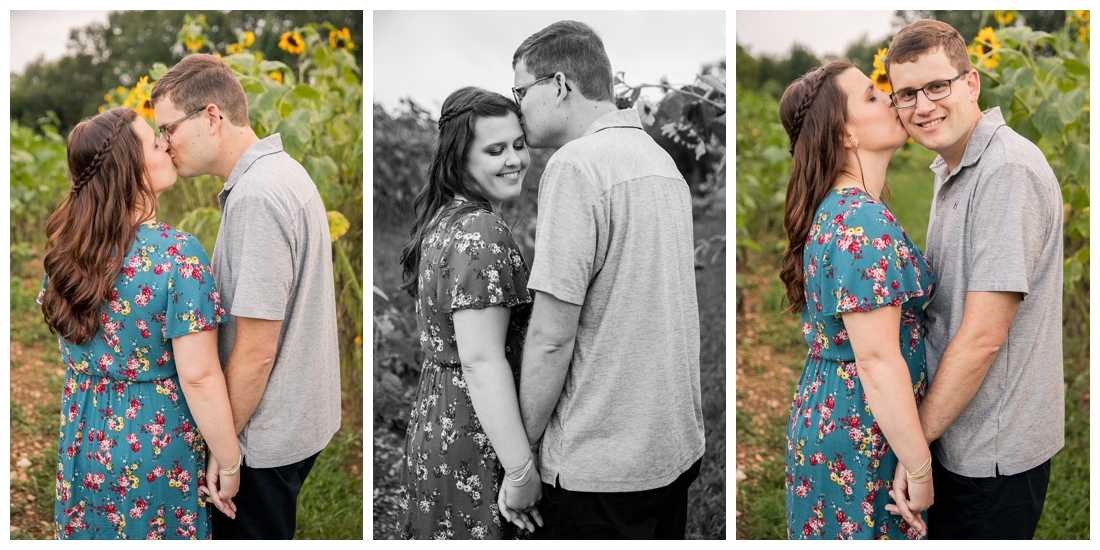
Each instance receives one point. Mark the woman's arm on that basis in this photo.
(480, 334)
(885, 377)
(204, 388)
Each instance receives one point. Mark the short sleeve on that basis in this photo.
(263, 260)
(194, 304)
(568, 230)
(481, 266)
(1011, 222)
(868, 262)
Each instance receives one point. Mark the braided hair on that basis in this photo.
(93, 228)
(447, 173)
(814, 111)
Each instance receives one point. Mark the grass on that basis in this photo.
(762, 333)
(707, 495)
(330, 505)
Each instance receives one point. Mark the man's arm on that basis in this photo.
(547, 352)
(250, 364)
(967, 359)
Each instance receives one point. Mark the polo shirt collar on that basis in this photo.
(269, 145)
(979, 140)
(624, 117)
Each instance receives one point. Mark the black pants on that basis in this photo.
(1002, 507)
(654, 514)
(267, 503)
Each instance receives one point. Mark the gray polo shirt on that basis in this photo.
(614, 236)
(996, 225)
(273, 260)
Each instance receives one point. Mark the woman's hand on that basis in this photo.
(910, 499)
(220, 489)
(524, 518)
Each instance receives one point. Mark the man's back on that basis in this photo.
(614, 235)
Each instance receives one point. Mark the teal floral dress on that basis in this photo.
(450, 473)
(131, 459)
(839, 467)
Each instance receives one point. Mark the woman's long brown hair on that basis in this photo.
(91, 232)
(814, 111)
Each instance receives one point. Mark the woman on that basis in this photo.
(860, 283)
(138, 333)
(465, 440)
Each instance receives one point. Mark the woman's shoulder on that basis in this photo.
(848, 207)
(169, 241)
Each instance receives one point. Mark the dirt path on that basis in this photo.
(32, 452)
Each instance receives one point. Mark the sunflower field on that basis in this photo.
(1040, 80)
(315, 103)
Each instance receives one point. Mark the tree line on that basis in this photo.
(118, 53)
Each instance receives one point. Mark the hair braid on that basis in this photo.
(819, 76)
(97, 161)
(449, 115)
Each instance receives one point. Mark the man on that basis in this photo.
(995, 407)
(272, 265)
(613, 340)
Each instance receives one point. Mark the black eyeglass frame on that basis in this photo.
(520, 92)
(949, 82)
(166, 130)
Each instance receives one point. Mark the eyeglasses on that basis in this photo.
(935, 91)
(519, 92)
(167, 128)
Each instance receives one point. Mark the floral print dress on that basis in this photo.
(840, 467)
(450, 473)
(131, 459)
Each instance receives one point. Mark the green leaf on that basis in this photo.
(1051, 118)
(1072, 271)
(268, 66)
(244, 61)
(1076, 158)
(306, 91)
(1076, 67)
(324, 173)
(157, 71)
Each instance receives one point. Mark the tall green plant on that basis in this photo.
(1041, 83)
(39, 179)
(763, 168)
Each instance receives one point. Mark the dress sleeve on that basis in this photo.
(481, 266)
(868, 262)
(194, 304)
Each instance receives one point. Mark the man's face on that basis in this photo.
(538, 106)
(185, 145)
(944, 125)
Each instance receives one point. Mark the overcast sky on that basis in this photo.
(429, 54)
(821, 32)
(46, 33)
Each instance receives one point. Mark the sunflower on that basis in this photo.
(192, 45)
(141, 100)
(233, 48)
(276, 76)
(986, 42)
(292, 42)
(881, 82)
(1083, 15)
(880, 59)
(1084, 32)
(249, 38)
(340, 39)
(1004, 17)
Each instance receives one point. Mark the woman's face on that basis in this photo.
(872, 120)
(498, 157)
(158, 164)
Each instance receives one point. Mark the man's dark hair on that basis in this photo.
(574, 49)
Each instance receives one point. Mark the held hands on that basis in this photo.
(220, 489)
(911, 499)
(520, 491)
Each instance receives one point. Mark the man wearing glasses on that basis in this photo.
(995, 405)
(272, 265)
(609, 389)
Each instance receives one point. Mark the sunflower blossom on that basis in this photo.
(1084, 32)
(292, 42)
(276, 76)
(192, 45)
(233, 48)
(986, 42)
(1004, 17)
(340, 39)
(249, 38)
(881, 82)
(1083, 15)
(880, 59)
